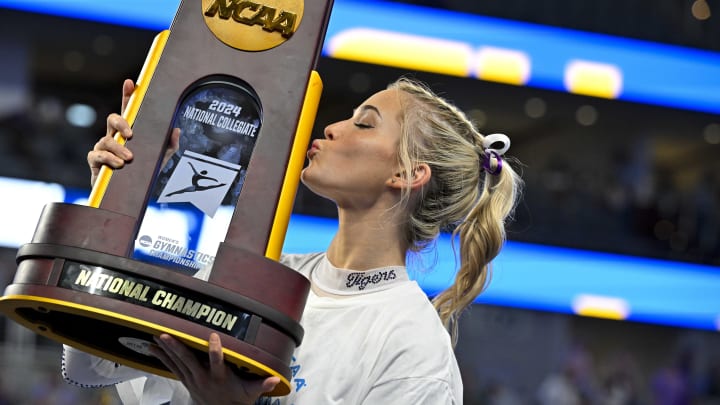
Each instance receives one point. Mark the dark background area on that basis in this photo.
(687, 23)
(601, 175)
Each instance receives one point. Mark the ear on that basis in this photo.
(420, 177)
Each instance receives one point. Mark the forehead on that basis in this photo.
(387, 101)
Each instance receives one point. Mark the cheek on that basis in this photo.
(377, 152)
(384, 159)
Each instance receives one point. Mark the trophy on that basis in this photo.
(238, 79)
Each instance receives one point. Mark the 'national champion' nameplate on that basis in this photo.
(147, 293)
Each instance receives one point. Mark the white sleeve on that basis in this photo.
(85, 370)
(413, 390)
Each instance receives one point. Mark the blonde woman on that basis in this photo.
(404, 167)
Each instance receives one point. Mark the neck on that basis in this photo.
(367, 240)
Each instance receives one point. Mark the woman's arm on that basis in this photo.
(85, 370)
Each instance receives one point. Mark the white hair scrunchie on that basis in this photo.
(491, 150)
(493, 139)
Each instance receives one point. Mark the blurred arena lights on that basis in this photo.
(531, 276)
(81, 115)
(701, 10)
(453, 43)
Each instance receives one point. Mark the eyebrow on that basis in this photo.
(371, 107)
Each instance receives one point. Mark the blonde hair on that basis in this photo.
(460, 195)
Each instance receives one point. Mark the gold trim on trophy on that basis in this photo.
(46, 305)
(295, 164)
(130, 113)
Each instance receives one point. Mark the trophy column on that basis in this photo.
(238, 79)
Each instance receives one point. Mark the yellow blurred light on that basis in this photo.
(598, 306)
(402, 50)
(503, 65)
(593, 79)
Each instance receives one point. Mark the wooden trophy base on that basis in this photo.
(112, 306)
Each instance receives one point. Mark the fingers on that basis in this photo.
(218, 369)
(107, 151)
(177, 358)
(97, 158)
(254, 389)
(215, 354)
(173, 145)
(160, 353)
(127, 90)
(210, 384)
(115, 124)
(174, 142)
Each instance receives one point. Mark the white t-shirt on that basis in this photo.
(370, 338)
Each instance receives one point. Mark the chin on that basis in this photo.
(311, 183)
(303, 175)
(306, 179)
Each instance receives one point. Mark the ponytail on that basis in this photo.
(481, 235)
(472, 190)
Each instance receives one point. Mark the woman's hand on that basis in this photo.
(107, 151)
(215, 384)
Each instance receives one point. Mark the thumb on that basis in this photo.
(270, 383)
(259, 387)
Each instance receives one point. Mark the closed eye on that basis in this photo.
(363, 126)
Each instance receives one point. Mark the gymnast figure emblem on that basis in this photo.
(200, 180)
(196, 179)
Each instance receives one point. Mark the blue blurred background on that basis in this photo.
(609, 287)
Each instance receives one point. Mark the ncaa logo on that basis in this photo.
(253, 25)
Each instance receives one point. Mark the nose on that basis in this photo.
(330, 131)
